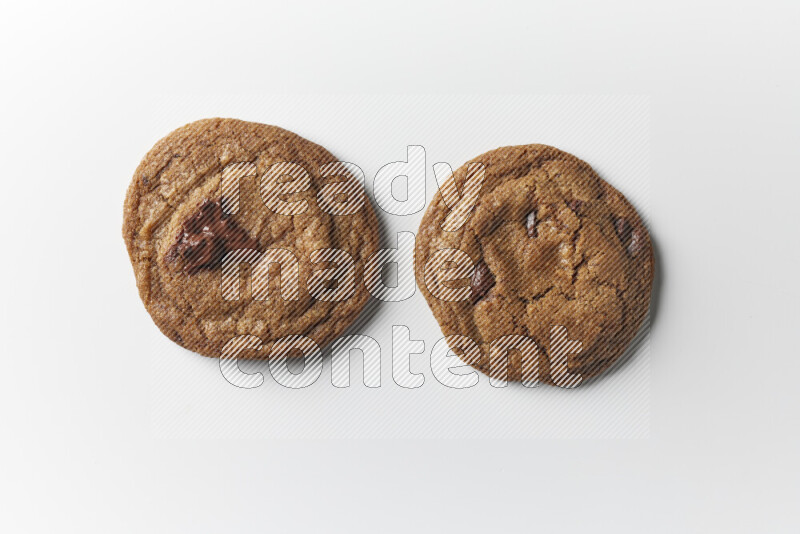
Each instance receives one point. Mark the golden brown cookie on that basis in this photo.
(274, 208)
(553, 247)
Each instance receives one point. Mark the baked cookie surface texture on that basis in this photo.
(558, 256)
(236, 228)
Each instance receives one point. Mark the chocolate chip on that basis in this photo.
(623, 228)
(632, 239)
(206, 236)
(482, 281)
(637, 242)
(530, 223)
(576, 206)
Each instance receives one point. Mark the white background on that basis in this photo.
(81, 89)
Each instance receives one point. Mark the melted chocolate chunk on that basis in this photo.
(623, 228)
(530, 223)
(633, 239)
(482, 281)
(637, 242)
(206, 236)
(576, 206)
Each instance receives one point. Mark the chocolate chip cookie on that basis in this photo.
(237, 228)
(555, 251)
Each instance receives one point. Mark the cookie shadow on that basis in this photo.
(642, 337)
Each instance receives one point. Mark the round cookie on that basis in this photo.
(553, 246)
(181, 231)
